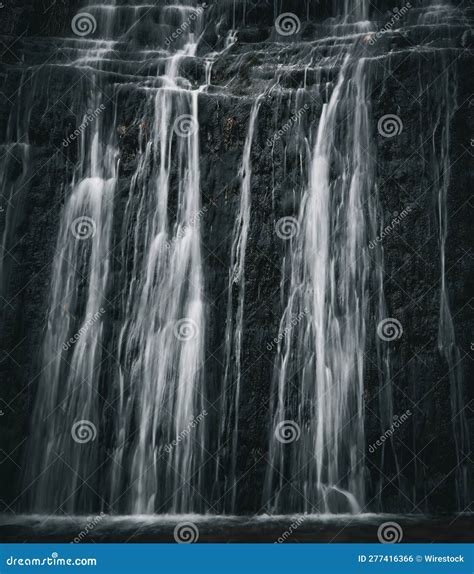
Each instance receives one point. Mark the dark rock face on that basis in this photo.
(417, 472)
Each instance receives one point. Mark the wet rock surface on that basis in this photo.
(416, 473)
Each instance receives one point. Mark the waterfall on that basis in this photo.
(234, 322)
(184, 246)
(319, 375)
(444, 104)
(160, 341)
(69, 385)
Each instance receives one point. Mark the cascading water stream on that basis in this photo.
(444, 105)
(14, 172)
(69, 383)
(160, 352)
(234, 321)
(131, 416)
(321, 357)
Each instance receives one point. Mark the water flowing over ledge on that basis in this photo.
(221, 324)
(213, 528)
